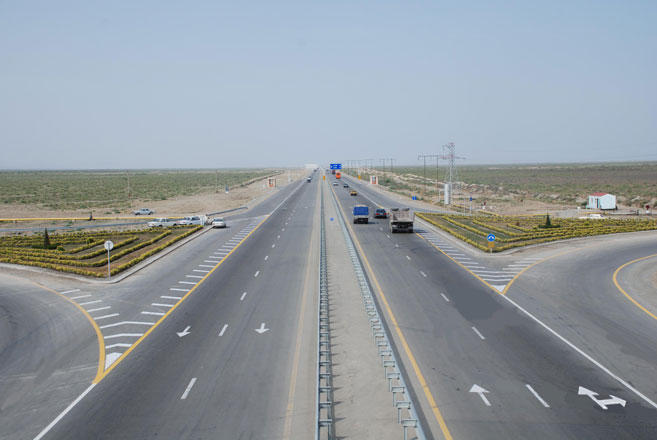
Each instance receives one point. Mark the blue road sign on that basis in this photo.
(491, 237)
(336, 166)
(470, 198)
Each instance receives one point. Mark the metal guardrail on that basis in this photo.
(401, 398)
(324, 387)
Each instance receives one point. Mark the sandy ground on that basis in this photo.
(176, 207)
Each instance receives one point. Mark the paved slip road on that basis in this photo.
(242, 367)
(464, 334)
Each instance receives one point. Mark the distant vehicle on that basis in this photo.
(309, 179)
(335, 183)
(380, 213)
(353, 193)
(162, 222)
(345, 185)
(143, 211)
(401, 220)
(338, 174)
(218, 223)
(193, 220)
(361, 214)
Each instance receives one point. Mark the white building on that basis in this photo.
(601, 200)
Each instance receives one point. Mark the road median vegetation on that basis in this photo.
(518, 231)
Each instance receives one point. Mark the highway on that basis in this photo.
(217, 338)
(463, 334)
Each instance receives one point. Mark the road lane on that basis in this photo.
(242, 377)
(516, 352)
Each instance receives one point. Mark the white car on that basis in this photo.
(143, 211)
(218, 223)
(161, 222)
(193, 220)
(335, 183)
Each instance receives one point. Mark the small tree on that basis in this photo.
(46, 239)
(548, 223)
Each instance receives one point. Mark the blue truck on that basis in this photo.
(361, 214)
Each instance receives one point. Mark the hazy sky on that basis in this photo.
(149, 84)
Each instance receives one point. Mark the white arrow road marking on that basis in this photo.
(242, 297)
(481, 391)
(444, 297)
(188, 389)
(603, 403)
(478, 333)
(184, 332)
(223, 330)
(262, 328)
(539, 398)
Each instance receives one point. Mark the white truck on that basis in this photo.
(401, 220)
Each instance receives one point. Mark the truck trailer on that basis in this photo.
(401, 220)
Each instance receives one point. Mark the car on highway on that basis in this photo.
(380, 213)
(353, 192)
(335, 183)
(218, 222)
(192, 220)
(143, 211)
(162, 222)
(345, 185)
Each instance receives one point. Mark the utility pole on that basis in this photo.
(216, 181)
(451, 175)
(424, 157)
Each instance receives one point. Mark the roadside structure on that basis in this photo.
(600, 200)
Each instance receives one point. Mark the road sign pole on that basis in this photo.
(108, 265)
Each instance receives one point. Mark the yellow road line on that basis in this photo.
(289, 411)
(99, 334)
(618, 286)
(416, 368)
(150, 330)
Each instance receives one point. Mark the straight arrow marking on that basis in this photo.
(184, 332)
(481, 391)
(262, 328)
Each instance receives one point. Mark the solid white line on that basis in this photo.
(477, 332)
(116, 324)
(189, 387)
(91, 302)
(257, 273)
(266, 257)
(539, 398)
(582, 353)
(205, 265)
(69, 291)
(242, 297)
(199, 270)
(63, 413)
(423, 274)
(187, 282)
(120, 344)
(124, 335)
(408, 258)
(153, 313)
(175, 289)
(170, 297)
(99, 309)
(111, 315)
(444, 297)
(221, 333)
(80, 297)
(162, 305)
(193, 276)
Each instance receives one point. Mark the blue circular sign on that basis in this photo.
(491, 237)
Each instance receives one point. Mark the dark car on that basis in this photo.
(380, 213)
(345, 186)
